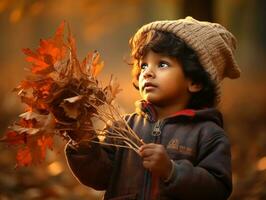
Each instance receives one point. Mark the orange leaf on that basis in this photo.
(24, 157)
(59, 33)
(13, 138)
(45, 143)
(36, 61)
(27, 123)
(96, 67)
(29, 53)
(24, 85)
(37, 104)
(49, 52)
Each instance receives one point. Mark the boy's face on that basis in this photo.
(162, 81)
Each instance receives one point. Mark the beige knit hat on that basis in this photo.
(214, 45)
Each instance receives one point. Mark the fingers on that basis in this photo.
(146, 153)
(148, 149)
(147, 164)
(152, 155)
(147, 146)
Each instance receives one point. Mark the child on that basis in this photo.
(178, 67)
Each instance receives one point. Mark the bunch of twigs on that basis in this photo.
(64, 97)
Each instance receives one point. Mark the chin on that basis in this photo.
(152, 100)
(157, 101)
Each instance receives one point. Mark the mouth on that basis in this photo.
(148, 86)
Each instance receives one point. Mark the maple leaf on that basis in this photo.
(14, 138)
(39, 65)
(49, 52)
(45, 142)
(24, 157)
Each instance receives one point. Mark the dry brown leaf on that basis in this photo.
(72, 107)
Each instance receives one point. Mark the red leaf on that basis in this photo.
(27, 123)
(49, 52)
(37, 104)
(45, 143)
(13, 138)
(24, 157)
(25, 84)
(59, 32)
(29, 53)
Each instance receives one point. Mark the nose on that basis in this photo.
(149, 73)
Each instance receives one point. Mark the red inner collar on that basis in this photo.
(186, 112)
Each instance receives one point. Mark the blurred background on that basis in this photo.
(106, 26)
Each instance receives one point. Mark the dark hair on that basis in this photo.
(169, 44)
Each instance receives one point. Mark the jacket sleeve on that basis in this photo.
(209, 178)
(91, 164)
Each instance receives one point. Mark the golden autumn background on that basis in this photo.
(106, 26)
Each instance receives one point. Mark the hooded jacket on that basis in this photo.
(194, 140)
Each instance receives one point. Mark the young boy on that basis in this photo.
(178, 67)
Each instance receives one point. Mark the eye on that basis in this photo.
(164, 64)
(143, 66)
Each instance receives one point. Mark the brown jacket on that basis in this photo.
(194, 140)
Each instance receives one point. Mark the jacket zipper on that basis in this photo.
(157, 128)
(156, 133)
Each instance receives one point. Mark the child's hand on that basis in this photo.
(156, 159)
(78, 134)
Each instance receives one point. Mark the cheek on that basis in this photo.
(173, 84)
(169, 81)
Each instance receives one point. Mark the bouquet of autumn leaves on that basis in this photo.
(63, 97)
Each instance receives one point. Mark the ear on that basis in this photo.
(194, 87)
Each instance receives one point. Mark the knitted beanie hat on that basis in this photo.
(214, 45)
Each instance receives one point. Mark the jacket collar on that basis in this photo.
(147, 110)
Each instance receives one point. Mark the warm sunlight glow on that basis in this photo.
(3, 5)
(261, 164)
(55, 168)
(15, 16)
(36, 8)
